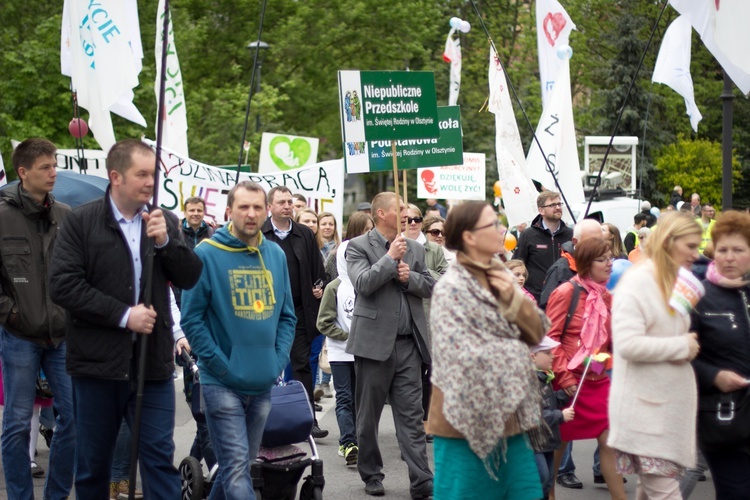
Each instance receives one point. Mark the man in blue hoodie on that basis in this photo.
(239, 320)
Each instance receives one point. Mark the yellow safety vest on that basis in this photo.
(706, 235)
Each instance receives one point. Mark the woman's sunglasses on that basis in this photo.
(435, 232)
(418, 220)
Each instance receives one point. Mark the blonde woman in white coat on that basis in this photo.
(653, 398)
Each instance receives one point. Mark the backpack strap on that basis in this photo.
(573, 304)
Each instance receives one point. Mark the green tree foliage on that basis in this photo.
(311, 40)
(696, 166)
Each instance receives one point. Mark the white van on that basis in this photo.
(618, 211)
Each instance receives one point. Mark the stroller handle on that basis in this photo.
(189, 362)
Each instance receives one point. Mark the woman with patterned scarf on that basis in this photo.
(652, 405)
(485, 421)
(586, 333)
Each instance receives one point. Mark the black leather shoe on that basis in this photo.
(569, 481)
(317, 407)
(702, 478)
(430, 438)
(375, 488)
(599, 479)
(318, 433)
(425, 494)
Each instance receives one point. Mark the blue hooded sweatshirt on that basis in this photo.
(239, 318)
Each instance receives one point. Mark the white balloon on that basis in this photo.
(465, 27)
(564, 52)
(455, 22)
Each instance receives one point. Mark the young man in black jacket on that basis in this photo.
(539, 244)
(98, 275)
(33, 328)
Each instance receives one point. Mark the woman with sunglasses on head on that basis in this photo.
(579, 310)
(652, 408)
(433, 228)
(434, 256)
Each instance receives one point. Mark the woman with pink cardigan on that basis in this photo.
(653, 397)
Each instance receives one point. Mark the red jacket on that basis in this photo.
(570, 342)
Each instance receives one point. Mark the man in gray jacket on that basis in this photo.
(33, 328)
(388, 339)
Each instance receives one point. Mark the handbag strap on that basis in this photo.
(573, 305)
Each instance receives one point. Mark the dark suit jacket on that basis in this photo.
(310, 270)
(92, 278)
(376, 309)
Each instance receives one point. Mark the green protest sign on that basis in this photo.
(377, 156)
(385, 105)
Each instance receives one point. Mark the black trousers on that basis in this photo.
(731, 474)
(300, 356)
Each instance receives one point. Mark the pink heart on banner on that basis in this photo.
(553, 25)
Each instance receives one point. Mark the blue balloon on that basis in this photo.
(619, 267)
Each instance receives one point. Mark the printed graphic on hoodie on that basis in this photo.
(251, 293)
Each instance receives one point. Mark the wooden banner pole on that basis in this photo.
(403, 178)
(395, 181)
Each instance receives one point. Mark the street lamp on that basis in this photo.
(259, 47)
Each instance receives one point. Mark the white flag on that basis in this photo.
(673, 65)
(706, 16)
(175, 117)
(732, 36)
(557, 136)
(124, 105)
(103, 66)
(553, 27)
(519, 194)
(452, 55)
(3, 177)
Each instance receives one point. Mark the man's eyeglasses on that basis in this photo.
(418, 220)
(435, 232)
(553, 205)
(497, 224)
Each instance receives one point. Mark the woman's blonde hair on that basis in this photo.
(671, 227)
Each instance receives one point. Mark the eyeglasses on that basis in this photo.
(411, 220)
(553, 205)
(604, 260)
(435, 232)
(497, 224)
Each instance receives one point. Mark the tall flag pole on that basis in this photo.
(148, 267)
(673, 66)
(174, 113)
(519, 193)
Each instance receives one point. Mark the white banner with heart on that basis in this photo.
(281, 153)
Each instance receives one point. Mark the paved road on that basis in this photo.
(343, 483)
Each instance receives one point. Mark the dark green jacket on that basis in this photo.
(27, 236)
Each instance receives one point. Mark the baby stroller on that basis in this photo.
(281, 464)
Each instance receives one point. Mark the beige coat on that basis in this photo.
(653, 399)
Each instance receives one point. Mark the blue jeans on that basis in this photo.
(344, 383)
(567, 466)
(21, 361)
(201, 448)
(121, 460)
(315, 348)
(545, 464)
(99, 408)
(235, 423)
